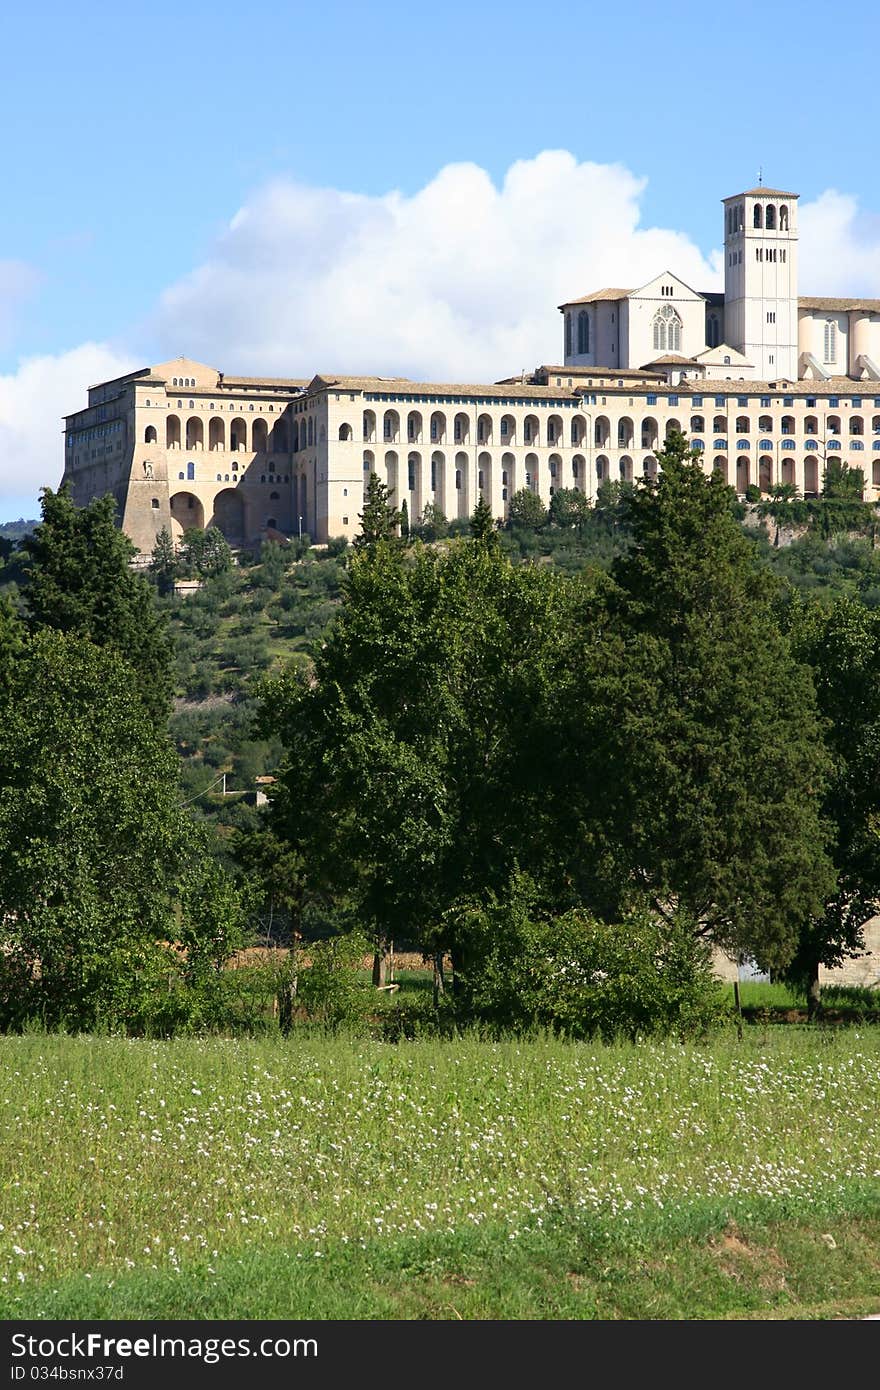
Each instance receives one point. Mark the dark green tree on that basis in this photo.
(79, 580)
(163, 562)
(569, 509)
(404, 520)
(205, 552)
(380, 521)
(482, 523)
(93, 842)
(432, 524)
(526, 510)
(841, 645)
(697, 754)
(414, 769)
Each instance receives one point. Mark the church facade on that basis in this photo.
(767, 385)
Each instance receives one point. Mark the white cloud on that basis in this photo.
(33, 400)
(459, 281)
(839, 247)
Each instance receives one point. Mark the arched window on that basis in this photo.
(568, 335)
(667, 330)
(756, 215)
(770, 219)
(830, 341)
(714, 331)
(150, 436)
(583, 331)
(783, 218)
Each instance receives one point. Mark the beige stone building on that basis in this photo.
(768, 386)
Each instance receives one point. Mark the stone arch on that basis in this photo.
(462, 485)
(216, 433)
(438, 427)
(195, 433)
(345, 433)
(391, 427)
(172, 432)
(369, 426)
(229, 514)
(260, 437)
(743, 472)
(150, 435)
(238, 433)
(719, 466)
(765, 472)
(414, 427)
(461, 428)
(484, 429)
(602, 432)
(579, 427)
(649, 432)
(278, 444)
(186, 512)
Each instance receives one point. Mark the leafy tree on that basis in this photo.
(205, 552)
(273, 563)
(698, 790)
(432, 524)
(842, 647)
(380, 521)
(569, 509)
(841, 507)
(79, 580)
(93, 843)
(527, 510)
(413, 770)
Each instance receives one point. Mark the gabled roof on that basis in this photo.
(596, 296)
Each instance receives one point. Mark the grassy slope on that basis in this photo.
(350, 1179)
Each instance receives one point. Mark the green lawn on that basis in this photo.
(331, 1178)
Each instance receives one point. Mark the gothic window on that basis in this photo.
(667, 330)
(783, 218)
(830, 341)
(756, 216)
(568, 335)
(770, 220)
(583, 332)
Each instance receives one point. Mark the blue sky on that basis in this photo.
(136, 134)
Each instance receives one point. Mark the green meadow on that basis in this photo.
(336, 1177)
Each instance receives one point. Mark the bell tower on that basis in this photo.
(760, 280)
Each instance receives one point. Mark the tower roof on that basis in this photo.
(761, 192)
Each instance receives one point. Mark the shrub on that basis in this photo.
(332, 990)
(583, 978)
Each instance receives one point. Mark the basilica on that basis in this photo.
(767, 385)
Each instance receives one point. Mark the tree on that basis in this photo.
(526, 510)
(841, 507)
(569, 509)
(414, 764)
(404, 519)
(432, 524)
(842, 647)
(163, 562)
(79, 580)
(93, 842)
(482, 523)
(205, 553)
(380, 521)
(698, 790)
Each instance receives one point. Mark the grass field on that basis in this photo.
(334, 1178)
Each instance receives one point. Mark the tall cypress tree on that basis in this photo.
(79, 580)
(700, 767)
